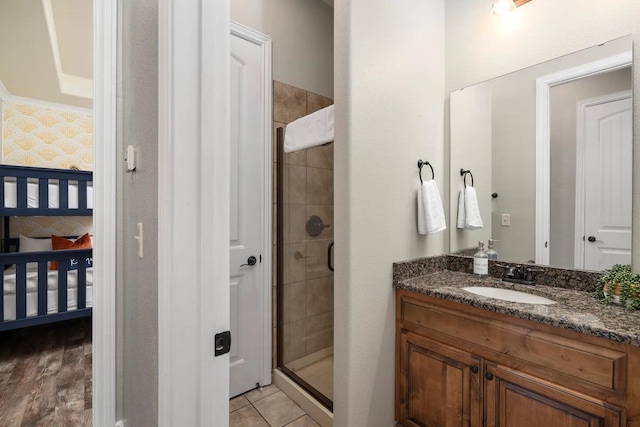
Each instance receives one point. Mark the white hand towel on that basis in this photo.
(430, 211)
(309, 131)
(422, 215)
(473, 221)
(461, 214)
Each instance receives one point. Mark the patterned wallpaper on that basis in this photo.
(39, 136)
(44, 137)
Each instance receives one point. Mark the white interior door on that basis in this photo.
(247, 269)
(607, 194)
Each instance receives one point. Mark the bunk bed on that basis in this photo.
(32, 292)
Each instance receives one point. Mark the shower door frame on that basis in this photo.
(324, 400)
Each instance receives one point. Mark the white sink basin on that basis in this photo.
(508, 295)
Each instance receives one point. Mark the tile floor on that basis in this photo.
(45, 375)
(267, 407)
(319, 375)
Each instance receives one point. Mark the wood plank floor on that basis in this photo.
(45, 375)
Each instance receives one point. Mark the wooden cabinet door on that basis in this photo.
(439, 385)
(514, 399)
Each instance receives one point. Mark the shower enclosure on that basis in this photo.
(305, 268)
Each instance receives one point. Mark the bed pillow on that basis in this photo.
(29, 244)
(60, 243)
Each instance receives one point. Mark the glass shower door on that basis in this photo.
(305, 271)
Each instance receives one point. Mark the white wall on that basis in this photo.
(389, 113)
(137, 280)
(302, 34)
(480, 46)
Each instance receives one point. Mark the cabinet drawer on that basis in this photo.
(560, 359)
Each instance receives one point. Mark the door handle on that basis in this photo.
(329, 251)
(593, 239)
(250, 261)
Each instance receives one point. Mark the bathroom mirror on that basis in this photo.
(549, 148)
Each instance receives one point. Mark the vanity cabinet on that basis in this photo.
(462, 366)
(440, 385)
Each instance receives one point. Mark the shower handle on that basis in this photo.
(329, 257)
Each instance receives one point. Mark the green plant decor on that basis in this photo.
(621, 282)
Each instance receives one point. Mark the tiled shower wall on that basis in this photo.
(308, 190)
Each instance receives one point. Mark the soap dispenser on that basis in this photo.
(491, 253)
(481, 262)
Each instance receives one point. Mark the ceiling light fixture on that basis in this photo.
(502, 7)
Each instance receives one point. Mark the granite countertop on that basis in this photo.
(576, 310)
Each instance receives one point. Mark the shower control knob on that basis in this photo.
(250, 261)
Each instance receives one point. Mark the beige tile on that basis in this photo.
(304, 421)
(289, 103)
(317, 102)
(320, 375)
(261, 392)
(316, 265)
(294, 341)
(325, 212)
(294, 302)
(319, 189)
(294, 262)
(319, 341)
(295, 225)
(319, 323)
(278, 409)
(274, 306)
(295, 188)
(245, 417)
(274, 265)
(238, 402)
(285, 330)
(274, 349)
(319, 296)
(296, 158)
(320, 157)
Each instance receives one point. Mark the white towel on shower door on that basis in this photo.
(430, 211)
(309, 131)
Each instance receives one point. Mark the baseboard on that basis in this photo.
(312, 407)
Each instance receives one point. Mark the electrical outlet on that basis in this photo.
(506, 220)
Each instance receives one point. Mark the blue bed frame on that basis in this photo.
(23, 175)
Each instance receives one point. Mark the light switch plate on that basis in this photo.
(506, 220)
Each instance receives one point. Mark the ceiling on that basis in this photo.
(47, 50)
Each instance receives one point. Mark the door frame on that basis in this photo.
(543, 139)
(105, 63)
(193, 211)
(266, 238)
(581, 170)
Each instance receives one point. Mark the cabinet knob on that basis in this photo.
(488, 376)
(474, 369)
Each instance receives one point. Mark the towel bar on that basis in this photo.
(420, 165)
(463, 174)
